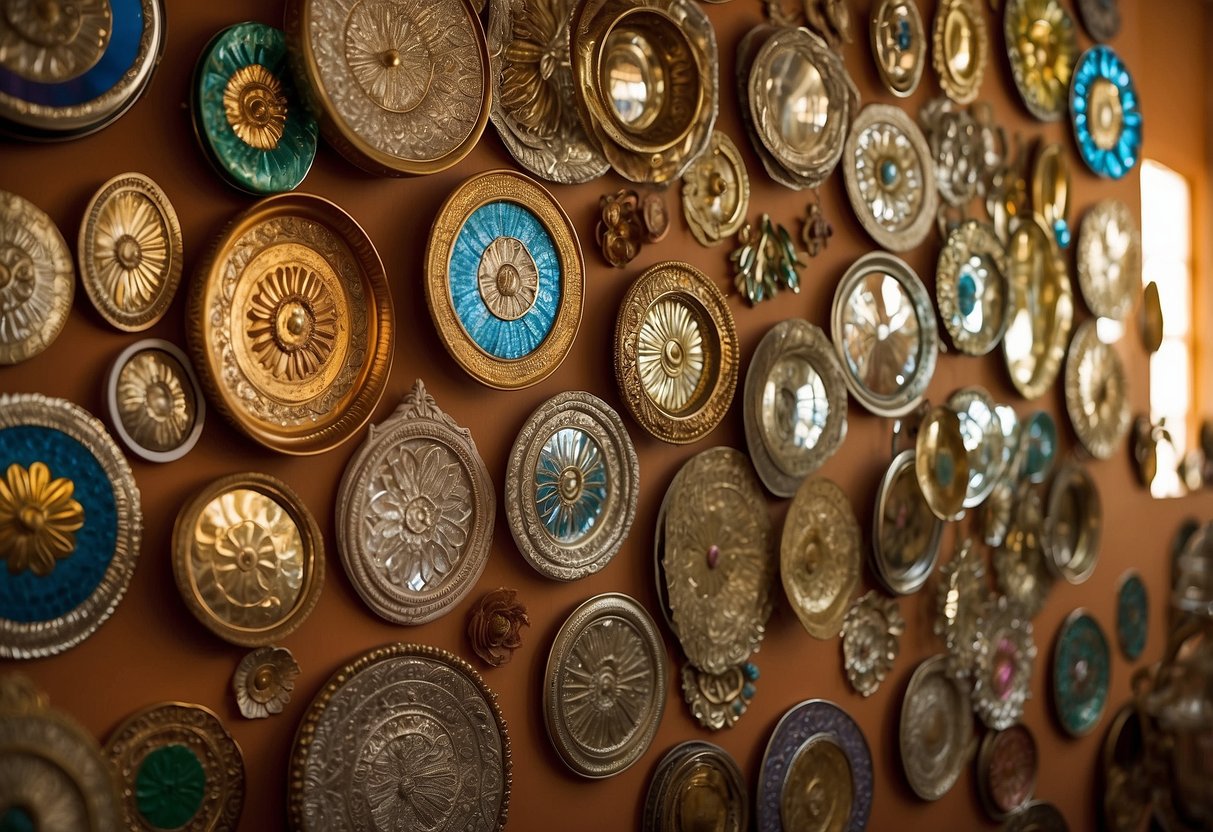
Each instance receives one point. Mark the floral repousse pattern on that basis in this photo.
(264, 680)
(1003, 670)
(414, 781)
(508, 278)
(608, 685)
(131, 250)
(670, 355)
(495, 626)
(56, 41)
(530, 88)
(292, 323)
(871, 640)
(26, 302)
(1042, 46)
(571, 486)
(388, 55)
(155, 401)
(38, 519)
(255, 106)
(889, 174)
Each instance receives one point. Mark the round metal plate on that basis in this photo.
(38, 280)
(1109, 259)
(1097, 396)
(1105, 113)
(899, 45)
(960, 48)
(1005, 656)
(871, 640)
(1082, 668)
(1100, 17)
(1132, 615)
(984, 441)
(716, 191)
(941, 464)
(605, 684)
(1051, 191)
(971, 288)
(819, 556)
(1042, 309)
(1042, 46)
(154, 400)
(697, 785)
(1022, 568)
(1072, 524)
(1007, 766)
(905, 532)
(936, 734)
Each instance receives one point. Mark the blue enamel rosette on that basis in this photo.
(1104, 112)
(504, 279)
(249, 120)
(1082, 667)
(70, 525)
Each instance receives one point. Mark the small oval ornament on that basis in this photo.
(1007, 765)
(716, 191)
(905, 532)
(1109, 259)
(936, 729)
(899, 45)
(1132, 615)
(1042, 311)
(1082, 667)
(1003, 672)
(1072, 524)
(971, 288)
(155, 401)
(819, 561)
(263, 681)
(697, 785)
(941, 464)
(960, 48)
(1097, 396)
(38, 280)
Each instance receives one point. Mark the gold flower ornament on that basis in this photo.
(38, 519)
(264, 680)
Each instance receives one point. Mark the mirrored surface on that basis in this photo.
(984, 443)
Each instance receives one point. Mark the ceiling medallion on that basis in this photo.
(905, 532)
(820, 558)
(765, 260)
(899, 45)
(941, 463)
(984, 442)
(1105, 114)
(1005, 655)
(957, 149)
(1109, 259)
(1007, 765)
(1132, 615)
(38, 280)
(1042, 309)
(871, 640)
(1020, 564)
(1124, 773)
(1051, 192)
(972, 289)
(718, 700)
(1082, 667)
(697, 785)
(936, 729)
(960, 48)
(961, 599)
(155, 401)
(1096, 392)
(716, 191)
(605, 684)
(1042, 46)
(676, 352)
(1100, 17)
(1072, 524)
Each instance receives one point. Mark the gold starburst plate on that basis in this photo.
(1097, 395)
(1042, 47)
(37, 280)
(1042, 309)
(155, 401)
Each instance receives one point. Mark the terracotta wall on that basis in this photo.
(153, 650)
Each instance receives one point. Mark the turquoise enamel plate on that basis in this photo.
(1082, 669)
(1132, 615)
(1105, 113)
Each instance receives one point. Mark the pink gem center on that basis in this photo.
(713, 556)
(1004, 667)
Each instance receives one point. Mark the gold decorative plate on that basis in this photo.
(984, 441)
(676, 352)
(1097, 396)
(504, 279)
(718, 700)
(941, 463)
(605, 684)
(1007, 765)
(1051, 192)
(971, 288)
(819, 556)
(398, 87)
(1042, 309)
(1021, 566)
(290, 324)
(416, 509)
(871, 640)
(697, 785)
(936, 733)
(1109, 259)
(716, 191)
(960, 48)
(37, 281)
(248, 559)
(130, 252)
(905, 532)
(899, 45)
(155, 401)
(1073, 523)
(1042, 46)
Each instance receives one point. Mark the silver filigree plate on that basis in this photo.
(961, 600)
(1003, 673)
(905, 532)
(697, 785)
(971, 288)
(871, 640)
(605, 684)
(795, 405)
(1097, 396)
(416, 509)
(39, 280)
(401, 714)
(571, 486)
(1109, 259)
(981, 428)
(936, 734)
(899, 45)
(1072, 524)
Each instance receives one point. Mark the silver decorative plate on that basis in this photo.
(936, 733)
(155, 402)
(981, 428)
(971, 288)
(1109, 259)
(1097, 396)
(1073, 524)
(905, 532)
(1003, 673)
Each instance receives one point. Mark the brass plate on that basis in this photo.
(605, 684)
(972, 289)
(248, 559)
(1097, 396)
(697, 785)
(936, 733)
(571, 486)
(1003, 673)
(130, 252)
(155, 401)
(504, 279)
(1007, 765)
(676, 352)
(400, 87)
(179, 768)
(716, 191)
(1020, 564)
(416, 509)
(795, 405)
(1051, 192)
(941, 464)
(960, 48)
(984, 441)
(397, 715)
(1151, 322)
(819, 556)
(290, 324)
(905, 532)
(1124, 774)
(871, 640)
(37, 280)
(1042, 309)
(1073, 524)
(1109, 259)
(899, 45)
(1042, 46)
(961, 597)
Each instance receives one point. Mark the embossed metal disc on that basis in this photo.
(795, 405)
(819, 556)
(1007, 765)
(37, 280)
(697, 785)
(1021, 566)
(676, 352)
(399, 86)
(972, 289)
(890, 177)
(960, 48)
(1082, 667)
(984, 442)
(1109, 259)
(1073, 523)
(605, 684)
(1132, 615)
(401, 714)
(155, 402)
(1005, 655)
(941, 464)
(899, 45)
(1100, 17)
(1042, 309)
(504, 279)
(70, 525)
(905, 532)
(1124, 773)
(884, 331)
(716, 191)
(248, 559)
(130, 252)
(936, 729)
(961, 595)
(179, 769)
(718, 700)
(816, 773)
(1105, 113)
(1097, 396)
(416, 509)
(290, 324)
(1042, 46)
(571, 486)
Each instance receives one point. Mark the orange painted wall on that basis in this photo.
(153, 650)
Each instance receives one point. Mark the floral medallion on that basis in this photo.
(1132, 615)
(972, 289)
(899, 45)
(1007, 765)
(718, 700)
(960, 48)
(495, 626)
(263, 681)
(37, 281)
(716, 191)
(155, 401)
(905, 532)
(1105, 113)
(1097, 396)
(54, 42)
(871, 640)
(1042, 46)
(1082, 667)
(936, 729)
(960, 601)
(1003, 671)
(697, 785)
(1021, 565)
(1042, 308)
(819, 556)
(1109, 259)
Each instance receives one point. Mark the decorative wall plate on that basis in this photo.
(941, 463)
(890, 176)
(971, 288)
(1042, 46)
(65, 77)
(604, 687)
(962, 595)
(958, 152)
(816, 772)
(1082, 667)
(39, 281)
(697, 785)
(571, 486)
(179, 769)
(1038, 446)
(1021, 566)
(899, 45)
(1132, 615)
(884, 331)
(130, 252)
(795, 405)
(936, 733)
(1072, 524)
(1097, 396)
(984, 442)
(401, 714)
(248, 559)
(960, 48)
(1100, 17)
(154, 400)
(70, 525)
(871, 640)
(1109, 259)
(819, 556)
(1007, 764)
(716, 191)
(1051, 192)
(1150, 323)
(291, 326)
(1124, 774)
(1005, 655)
(676, 352)
(417, 509)
(1042, 309)
(504, 279)
(905, 532)
(718, 700)
(397, 89)
(533, 104)
(252, 125)
(1105, 114)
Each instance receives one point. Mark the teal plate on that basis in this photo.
(1082, 669)
(1132, 615)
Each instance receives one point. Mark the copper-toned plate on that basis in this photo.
(38, 280)
(697, 785)
(1073, 523)
(941, 463)
(1150, 323)
(1007, 765)
(1097, 396)
(819, 556)
(960, 48)
(1042, 309)
(905, 532)
(936, 729)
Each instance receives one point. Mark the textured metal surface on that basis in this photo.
(1005, 656)
(1042, 46)
(871, 640)
(155, 401)
(1082, 669)
(936, 729)
(819, 556)
(905, 532)
(697, 785)
(972, 289)
(1097, 394)
(960, 48)
(899, 45)
(1109, 259)
(1073, 524)
(37, 280)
